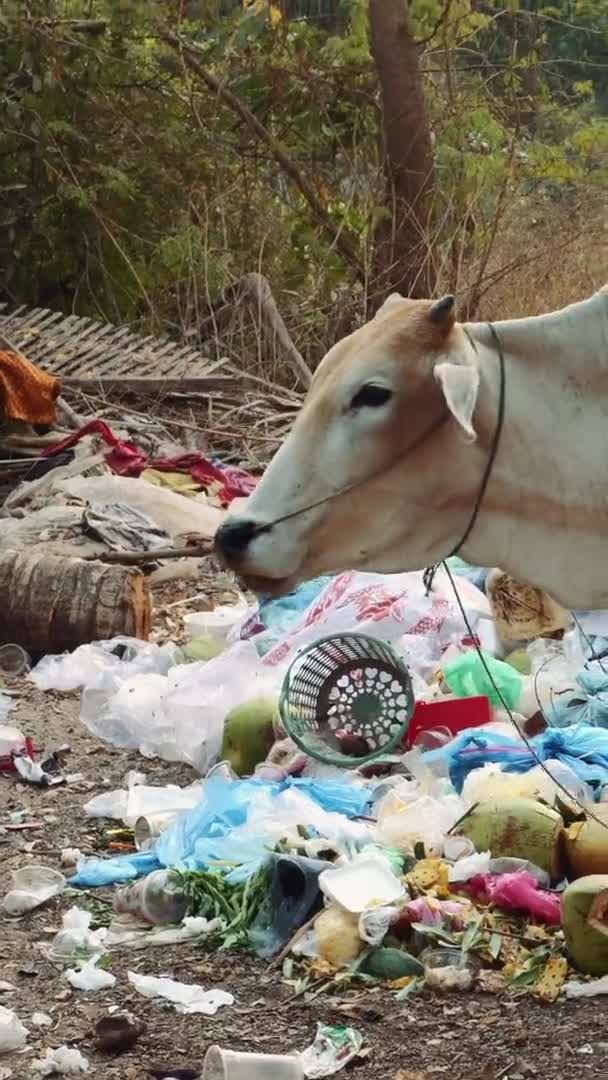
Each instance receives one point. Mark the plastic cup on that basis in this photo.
(447, 969)
(14, 660)
(233, 1065)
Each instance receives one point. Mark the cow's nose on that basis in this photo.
(234, 537)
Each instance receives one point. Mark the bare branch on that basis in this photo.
(345, 243)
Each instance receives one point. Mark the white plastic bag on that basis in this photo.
(402, 825)
(90, 977)
(13, 1035)
(180, 716)
(394, 608)
(122, 656)
(64, 1061)
(76, 937)
(32, 887)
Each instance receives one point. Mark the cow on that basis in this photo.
(421, 437)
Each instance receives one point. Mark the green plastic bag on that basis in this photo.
(467, 677)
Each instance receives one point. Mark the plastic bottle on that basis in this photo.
(157, 898)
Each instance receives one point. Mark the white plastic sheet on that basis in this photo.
(186, 997)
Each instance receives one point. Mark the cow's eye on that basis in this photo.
(371, 396)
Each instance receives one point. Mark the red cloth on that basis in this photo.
(125, 459)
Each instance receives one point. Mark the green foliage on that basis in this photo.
(131, 191)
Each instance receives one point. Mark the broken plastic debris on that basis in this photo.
(65, 1061)
(70, 856)
(13, 1035)
(76, 937)
(575, 989)
(32, 886)
(187, 998)
(90, 977)
(332, 1049)
(40, 1019)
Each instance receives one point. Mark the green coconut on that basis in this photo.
(249, 734)
(517, 828)
(585, 923)
(205, 647)
(520, 660)
(391, 964)
(586, 844)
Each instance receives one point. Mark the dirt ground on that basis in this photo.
(471, 1036)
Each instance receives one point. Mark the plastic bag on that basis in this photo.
(292, 896)
(89, 977)
(466, 677)
(64, 1061)
(123, 656)
(519, 892)
(374, 924)
(402, 825)
(32, 887)
(587, 706)
(582, 748)
(76, 937)
(195, 836)
(180, 716)
(13, 1035)
(6, 704)
(543, 784)
(395, 608)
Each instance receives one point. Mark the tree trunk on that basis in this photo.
(52, 603)
(402, 260)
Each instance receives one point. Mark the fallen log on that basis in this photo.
(51, 603)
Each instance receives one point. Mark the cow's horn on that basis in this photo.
(441, 311)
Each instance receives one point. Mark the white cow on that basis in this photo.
(387, 463)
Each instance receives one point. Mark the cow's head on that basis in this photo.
(380, 454)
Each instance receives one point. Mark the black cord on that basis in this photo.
(522, 734)
(429, 573)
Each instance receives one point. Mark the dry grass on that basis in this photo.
(561, 254)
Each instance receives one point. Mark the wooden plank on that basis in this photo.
(147, 386)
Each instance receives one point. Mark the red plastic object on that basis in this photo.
(7, 762)
(455, 714)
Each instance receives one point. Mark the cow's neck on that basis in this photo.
(545, 515)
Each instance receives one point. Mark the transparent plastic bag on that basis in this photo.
(121, 656)
(179, 716)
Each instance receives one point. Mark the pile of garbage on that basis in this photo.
(474, 853)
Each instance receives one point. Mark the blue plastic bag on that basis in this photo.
(205, 834)
(591, 706)
(582, 747)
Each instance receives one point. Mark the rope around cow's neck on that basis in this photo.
(430, 572)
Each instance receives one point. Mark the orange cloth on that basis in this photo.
(26, 392)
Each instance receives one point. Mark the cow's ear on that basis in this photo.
(442, 313)
(460, 386)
